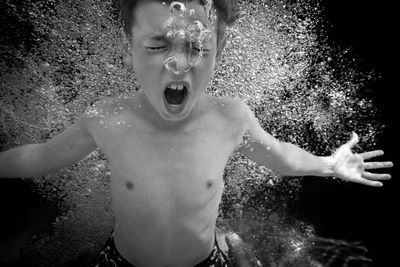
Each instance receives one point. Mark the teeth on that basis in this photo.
(176, 86)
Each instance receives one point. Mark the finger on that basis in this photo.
(371, 154)
(377, 165)
(376, 176)
(368, 182)
(372, 183)
(353, 141)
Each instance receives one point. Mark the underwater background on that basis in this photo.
(312, 71)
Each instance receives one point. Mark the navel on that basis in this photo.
(129, 185)
(210, 183)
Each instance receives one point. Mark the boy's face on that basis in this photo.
(164, 65)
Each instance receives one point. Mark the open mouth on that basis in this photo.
(175, 93)
(175, 96)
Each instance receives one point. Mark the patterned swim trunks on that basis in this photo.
(110, 257)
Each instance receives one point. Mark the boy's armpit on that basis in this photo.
(259, 146)
(252, 125)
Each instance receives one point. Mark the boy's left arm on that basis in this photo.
(289, 159)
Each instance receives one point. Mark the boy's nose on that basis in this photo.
(177, 63)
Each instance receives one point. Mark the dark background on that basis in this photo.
(337, 210)
(350, 211)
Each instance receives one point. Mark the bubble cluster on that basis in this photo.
(182, 26)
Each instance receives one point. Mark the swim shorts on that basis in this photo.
(110, 257)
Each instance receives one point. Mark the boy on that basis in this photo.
(168, 144)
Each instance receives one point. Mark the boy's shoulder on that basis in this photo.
(231, 108)
(107, 107)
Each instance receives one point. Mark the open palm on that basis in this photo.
(351, 167)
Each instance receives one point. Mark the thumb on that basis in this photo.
(353, 141)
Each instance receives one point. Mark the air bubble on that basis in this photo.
(177, 7)
(195, 29)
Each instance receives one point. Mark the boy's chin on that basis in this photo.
(174, 113)
(174, 117)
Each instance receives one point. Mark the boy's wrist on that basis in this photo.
(328, 166)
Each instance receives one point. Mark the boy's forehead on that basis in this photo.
(151, 16)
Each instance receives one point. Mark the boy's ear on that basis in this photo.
(127, 55)
(220, 49)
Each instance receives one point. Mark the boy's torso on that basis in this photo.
(167, 182)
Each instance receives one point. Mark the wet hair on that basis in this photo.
(227, 13)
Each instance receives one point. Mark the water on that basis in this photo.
(25, 214)
(304, 87)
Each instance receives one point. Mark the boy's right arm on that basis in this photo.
(63, 150)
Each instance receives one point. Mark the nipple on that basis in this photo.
(129, 185)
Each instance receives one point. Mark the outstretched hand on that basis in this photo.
(351, 167)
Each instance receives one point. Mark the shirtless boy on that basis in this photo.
(168, 144)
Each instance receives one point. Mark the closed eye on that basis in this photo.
(204, 51)
(156, 48)
(197, 49)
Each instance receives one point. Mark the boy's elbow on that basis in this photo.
(31, 165)
(287, 162)
(36, 161)
(287, 169)
(40, 161)
(17, 162)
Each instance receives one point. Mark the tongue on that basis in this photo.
(174, 97)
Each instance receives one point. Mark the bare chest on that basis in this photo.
(178, 162)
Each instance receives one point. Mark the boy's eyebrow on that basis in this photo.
(157, 37)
